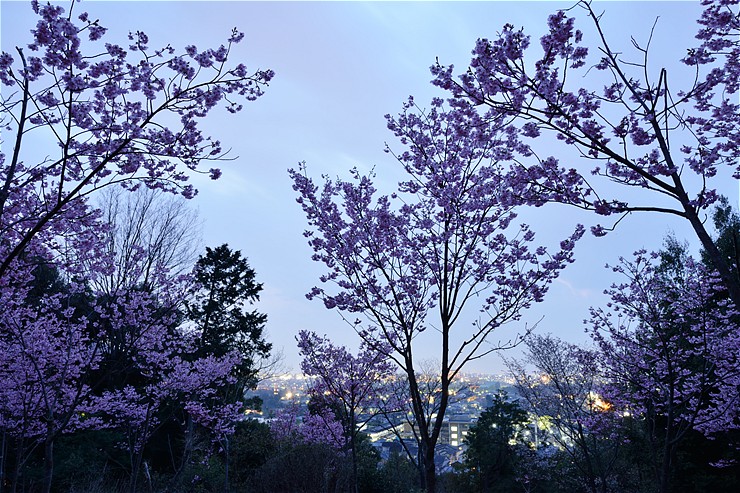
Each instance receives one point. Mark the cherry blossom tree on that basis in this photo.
(154, 368)
(669, 345)
(351, 384)
(309, 455)
(45, 353)
(111, 114)
(72, 360)
(420, 259)
(564, 389)
(664, 147)
(318, 428)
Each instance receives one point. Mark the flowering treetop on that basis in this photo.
(636, 130)
(110, 114)
(423, 257)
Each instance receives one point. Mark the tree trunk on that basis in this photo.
(718, 261)
(2, 459)
(430, 476)
(354, 488)
(665, 471)
(17, 464)
(135, 467)
(354, 485)
(186, 452)
(48, 463)
(428, 430)
(226, 465)
(666, 465)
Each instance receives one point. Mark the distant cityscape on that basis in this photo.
(471, 394)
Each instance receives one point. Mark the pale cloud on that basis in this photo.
(582, 293)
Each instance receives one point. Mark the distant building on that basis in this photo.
(455, 429)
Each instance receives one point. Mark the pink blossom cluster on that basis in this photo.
(107, 113)
(72, 358)
(320, 428)
(669, 342)
(622, 128)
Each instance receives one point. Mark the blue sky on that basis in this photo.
(340, 66)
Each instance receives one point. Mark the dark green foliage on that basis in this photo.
(270, 466)
(226, 284)
(727, 225)
(673, 258)
(369, 477)
(90, 460)
(87, 456)
(489, 442)
(46, 281)
(492, 457)
(301, 468)
(251, 446)
(399, 475)
(694, 472)
(458, 481)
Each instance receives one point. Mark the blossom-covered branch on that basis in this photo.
(106, 112)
